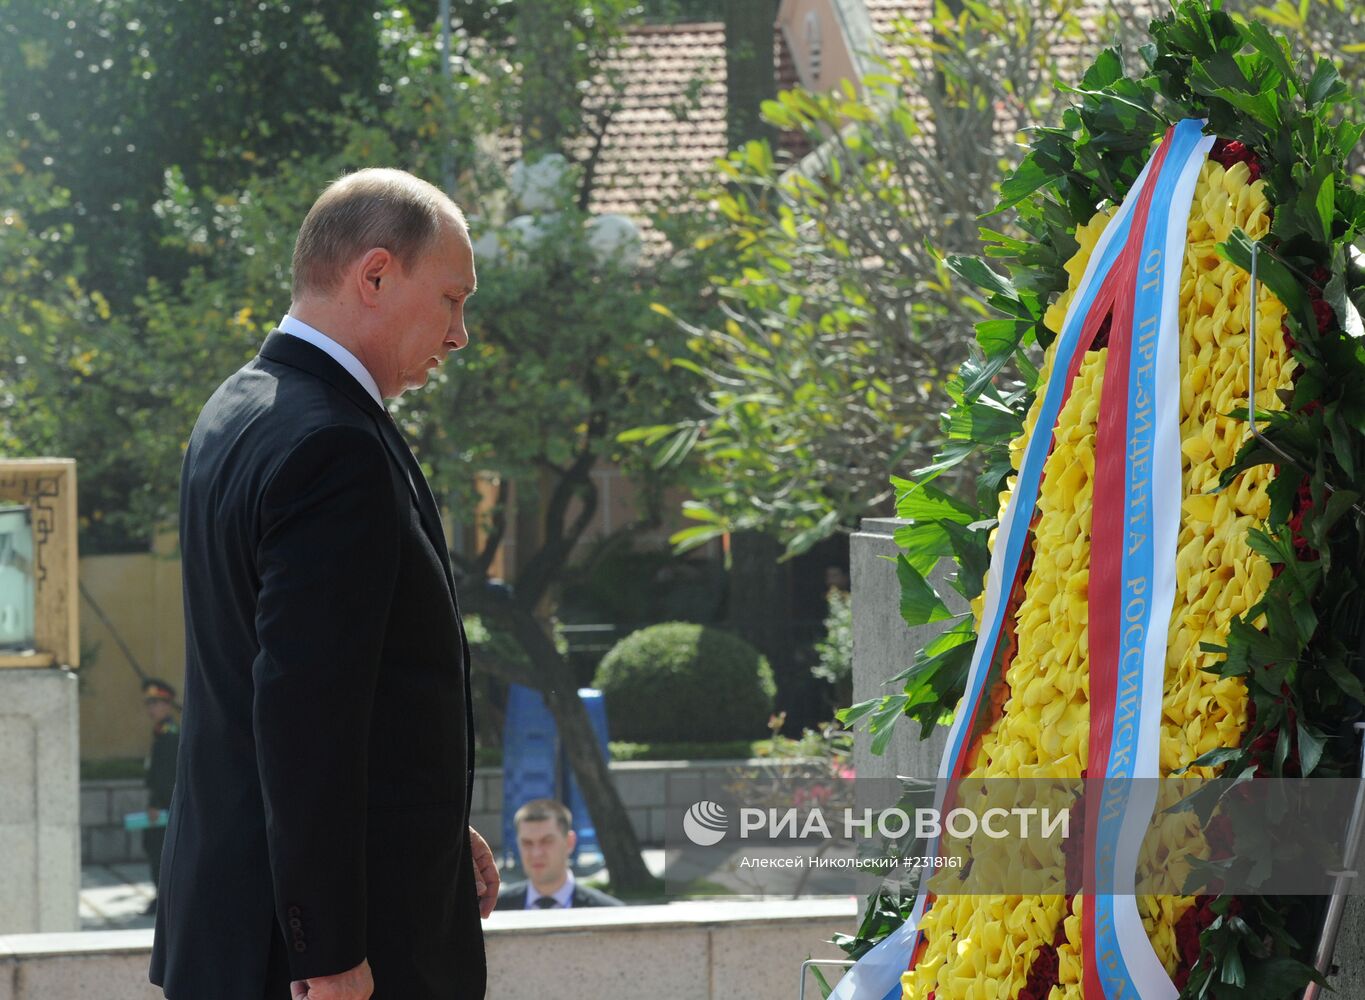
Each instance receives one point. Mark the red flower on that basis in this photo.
(1229, 152)
(1289, 342)
(1322, 312)
(1187, 937)
(1303, 503)
(1218, 833)
(1042, 975)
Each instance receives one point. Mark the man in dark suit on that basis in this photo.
(319, 843)
(545, 842)
(158, 698)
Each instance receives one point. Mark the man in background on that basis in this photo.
(545, 842)
(158, 698)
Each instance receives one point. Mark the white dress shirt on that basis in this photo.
(564, 897)
(298, 328)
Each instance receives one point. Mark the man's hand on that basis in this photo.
(356, 984)
(486, 877)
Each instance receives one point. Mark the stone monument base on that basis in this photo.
(40, 833)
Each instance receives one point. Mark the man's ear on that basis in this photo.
(371, 274)
(572, 838)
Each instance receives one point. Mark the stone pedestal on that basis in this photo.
(1349, 959)
(884, 646)
(40, 833)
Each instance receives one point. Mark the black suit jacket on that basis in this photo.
(322, 801)
(513, 897)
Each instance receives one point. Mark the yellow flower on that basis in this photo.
(983, 946)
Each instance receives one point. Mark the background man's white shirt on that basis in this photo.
(564, 897)
(298, 328)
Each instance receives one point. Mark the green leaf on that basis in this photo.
(1326, 206)
(985, 420)
(691, 538)
(679, 448)
(1215, 758)
(848, 716)
(920, 605)
(1232, 973)
(1343, 678)
(924, 543)
(647, 435)
(1027, 178)
(1280, 976)
(1311, 746)
(1272, 48)
(975, 271)
(1325, 85)
(1106, 69)
(926, 503)
(822, 529)
(972, 554)
(882, 723)
(1276, 276)
(999, 337)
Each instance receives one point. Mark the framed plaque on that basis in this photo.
(39, 587)
(16, 579)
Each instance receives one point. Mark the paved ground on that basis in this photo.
(114, 896)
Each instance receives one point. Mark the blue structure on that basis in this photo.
(573, 797)
(530, 759)
(534, 767)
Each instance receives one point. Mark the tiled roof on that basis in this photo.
(1069, 53)
(668, 124)
(665, 88)
(885, 13)
(793, 144)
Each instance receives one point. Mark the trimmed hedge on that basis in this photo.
(685, 682)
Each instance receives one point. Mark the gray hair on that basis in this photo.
(375, 207)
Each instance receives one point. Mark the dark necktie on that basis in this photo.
(545, 903)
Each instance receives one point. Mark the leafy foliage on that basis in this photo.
(130, 305)
(834, 651)
(824, 364)
(158, 159)
(680, 681)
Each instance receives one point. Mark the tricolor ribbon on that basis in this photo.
(1154, 212)
(1132, 574)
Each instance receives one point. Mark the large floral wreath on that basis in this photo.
(1265, 640)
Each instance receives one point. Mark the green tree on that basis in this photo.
(826, 369)
(107, 95)
(565, 353)
(122, 117)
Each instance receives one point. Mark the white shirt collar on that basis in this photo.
(298, 328)
(562, 897)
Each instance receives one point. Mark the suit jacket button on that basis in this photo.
(300, 946)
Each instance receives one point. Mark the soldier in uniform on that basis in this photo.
(159, 699)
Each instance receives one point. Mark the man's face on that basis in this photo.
(157, 708)
(545, 850)
(427, 310)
